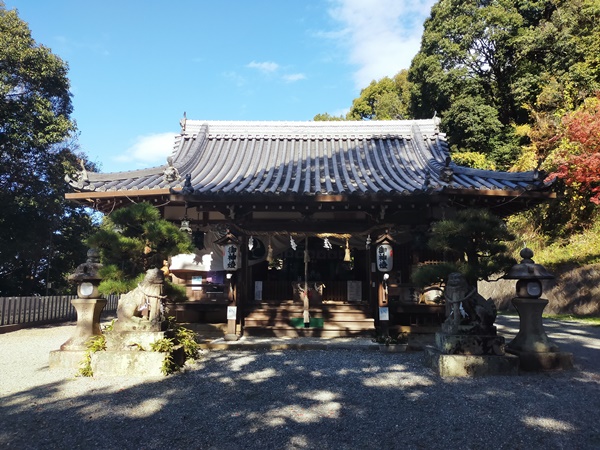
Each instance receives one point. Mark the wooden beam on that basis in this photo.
(91, 195)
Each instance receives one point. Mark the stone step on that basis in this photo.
(354, 323)
(327, 315)
(306, 332)
(339, 306)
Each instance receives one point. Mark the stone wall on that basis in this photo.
(576, 290)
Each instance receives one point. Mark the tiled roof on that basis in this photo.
(306, 158)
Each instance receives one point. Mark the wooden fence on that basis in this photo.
(39, 310)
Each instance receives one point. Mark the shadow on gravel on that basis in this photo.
(308, 400)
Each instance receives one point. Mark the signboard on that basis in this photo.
(384, 313)
(231, 312)
(354, 291)
(258, 287)
(196, 282)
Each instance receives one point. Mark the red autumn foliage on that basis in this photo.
(582, 169)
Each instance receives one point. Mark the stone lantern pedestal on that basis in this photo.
(531, 344)
(88, 323)
(88, 305)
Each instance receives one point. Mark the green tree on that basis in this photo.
(473, 243)
(326, 117)
(468, 70)
(132, 240)
(385, 99)
(40, 233)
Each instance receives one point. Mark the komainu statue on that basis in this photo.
(143, 308)
(468, 312)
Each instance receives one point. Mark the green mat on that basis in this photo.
(315, 322)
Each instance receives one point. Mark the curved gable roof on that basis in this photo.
(298, 159)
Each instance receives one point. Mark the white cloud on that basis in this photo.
(235, 77)
(292, 77)
(265, 67)
(149, 150)
(382, 36)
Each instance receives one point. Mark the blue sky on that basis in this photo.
(136, 65)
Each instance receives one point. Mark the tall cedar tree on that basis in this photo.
(40, 233)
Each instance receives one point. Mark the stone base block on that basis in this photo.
(133, 363)
(544, 361)
(469, 344)
(134, 340)
(470, 365)
(66, 359)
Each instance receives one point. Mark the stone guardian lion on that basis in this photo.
(143, 307)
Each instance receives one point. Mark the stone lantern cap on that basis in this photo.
(88, 271)
(527, 269)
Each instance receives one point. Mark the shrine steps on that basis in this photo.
(327, 320)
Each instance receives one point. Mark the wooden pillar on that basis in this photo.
(239, 284)
(306, 305)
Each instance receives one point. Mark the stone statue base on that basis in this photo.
(133, 364)
(465, 344)
(66, 359)
(470, 365)
(129, 353)
(468, 355)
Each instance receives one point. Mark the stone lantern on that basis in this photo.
(88, 305)
(531, 344)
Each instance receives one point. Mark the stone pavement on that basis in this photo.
(581, 340)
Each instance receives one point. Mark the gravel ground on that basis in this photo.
(298, 399)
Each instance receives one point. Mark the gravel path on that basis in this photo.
(290, 399)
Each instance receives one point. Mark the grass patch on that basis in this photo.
(578, 249)
(588, 320)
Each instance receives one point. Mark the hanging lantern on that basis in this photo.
(231, 251)
(185, 222)
(230, 257)
(384, 254)
(185, 225)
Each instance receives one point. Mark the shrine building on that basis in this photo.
(298, 225)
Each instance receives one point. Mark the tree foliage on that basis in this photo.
(132, 240)
(473, 243)
(385, 99)
(488, 68)
(40, 233)
(326, 117)
(577, 157)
